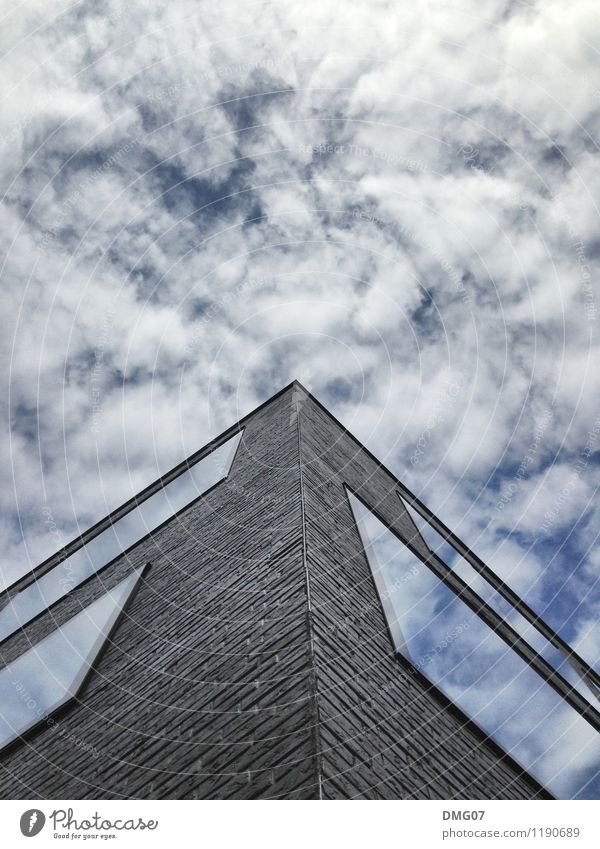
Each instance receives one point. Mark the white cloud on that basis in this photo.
(449, 234)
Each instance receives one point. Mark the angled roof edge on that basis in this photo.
(199, 454)
(87, 535)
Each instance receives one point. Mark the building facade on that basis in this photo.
(242, 646)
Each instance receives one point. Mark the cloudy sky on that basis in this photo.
(394, 203)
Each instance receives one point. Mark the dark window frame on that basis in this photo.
(88, 669)
(488, 615)
(106, 523)
(586, 673)
(88, 535)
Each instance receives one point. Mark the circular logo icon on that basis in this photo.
(32, 822)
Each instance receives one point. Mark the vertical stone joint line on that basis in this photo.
(315, 715)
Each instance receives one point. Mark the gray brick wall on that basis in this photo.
(246, 665)
(385, 732)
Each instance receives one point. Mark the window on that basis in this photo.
(445, 550)
(51, 673)
(445, 640)
(117, 538)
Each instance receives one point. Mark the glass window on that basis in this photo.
(117, 538)
(452, 558)
(449, 644)
(44, 678)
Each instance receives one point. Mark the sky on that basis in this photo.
(393, 203)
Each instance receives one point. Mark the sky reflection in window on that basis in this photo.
(44, 678)
(451, 557)
(449, 644)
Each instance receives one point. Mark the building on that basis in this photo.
(248, 645)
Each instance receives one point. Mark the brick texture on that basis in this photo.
(385, 733)
(254, 661)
